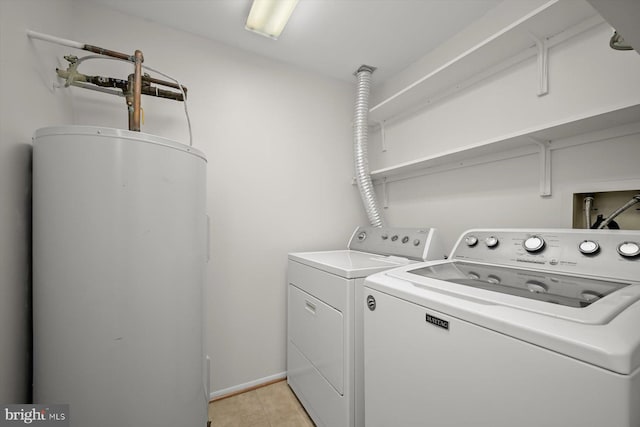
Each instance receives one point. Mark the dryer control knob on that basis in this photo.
(471, 241)
(533, 244)
(491, 241)
(589, 247)
(629, 249)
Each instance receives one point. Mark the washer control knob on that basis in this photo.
(589, 247)
(471, 241)
(405, 239)
(629, 249)
(491, 241)
(533, 244)
(362, 236)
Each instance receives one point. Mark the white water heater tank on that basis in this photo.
(119, 254)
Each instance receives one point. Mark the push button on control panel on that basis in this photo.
(405, 239)
(471, 241)
(491, 241)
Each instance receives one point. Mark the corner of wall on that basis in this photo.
(28, 101)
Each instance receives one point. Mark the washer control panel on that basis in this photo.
(412, 243)
(606, 253)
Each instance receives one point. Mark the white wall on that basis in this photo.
(278, 140)
(26, 104)
(585, 75)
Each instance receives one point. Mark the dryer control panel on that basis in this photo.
(413, 243)
(603, 253)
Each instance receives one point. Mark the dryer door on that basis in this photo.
(317, 330)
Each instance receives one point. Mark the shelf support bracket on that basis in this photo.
(383, 138)
(545, 166)
(543, 65)
(385, 193)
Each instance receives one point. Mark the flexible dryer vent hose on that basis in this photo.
(360, 136)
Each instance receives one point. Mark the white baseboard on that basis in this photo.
(246, 386)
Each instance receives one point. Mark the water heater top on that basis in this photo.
(117, 134)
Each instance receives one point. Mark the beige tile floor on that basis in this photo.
(274, 405)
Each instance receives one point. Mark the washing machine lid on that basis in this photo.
(574, 298)
(603, 333)
(348, 263)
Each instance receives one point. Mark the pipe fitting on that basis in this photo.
(367, 68)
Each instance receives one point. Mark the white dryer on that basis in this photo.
(518, 328)
(324, 345)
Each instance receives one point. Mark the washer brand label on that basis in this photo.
(437, 321)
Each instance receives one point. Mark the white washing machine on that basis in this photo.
(324, 345)
(518, 328)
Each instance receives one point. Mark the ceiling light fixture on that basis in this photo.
(268, 17)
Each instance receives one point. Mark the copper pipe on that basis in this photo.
(132, 89)
(137, 92)
(79, 45)
(150, 79)
(107, 52)
(161, 93)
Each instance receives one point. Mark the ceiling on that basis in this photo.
(331, 37)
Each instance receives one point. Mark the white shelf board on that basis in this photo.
(515, 144)
(549, 20)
